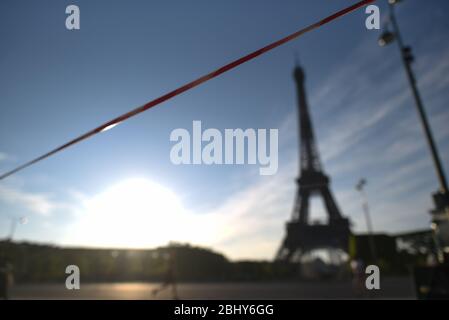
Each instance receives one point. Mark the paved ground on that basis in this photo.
(392, 288)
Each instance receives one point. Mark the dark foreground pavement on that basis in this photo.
(391, 288)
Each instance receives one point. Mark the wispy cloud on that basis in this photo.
(256, 214)
(43, 204)
(35, 202)
(3, 156)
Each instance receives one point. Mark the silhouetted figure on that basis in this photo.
(170, 279)
(358, 276)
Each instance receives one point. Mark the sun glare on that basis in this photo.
(137, 213)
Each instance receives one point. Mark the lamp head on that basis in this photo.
(386, 38)
(360, 184)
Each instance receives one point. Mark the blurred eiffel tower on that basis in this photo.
(301, 236)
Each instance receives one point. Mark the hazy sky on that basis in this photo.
(120, 188)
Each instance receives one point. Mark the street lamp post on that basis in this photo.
(360, 187)
(441, 197)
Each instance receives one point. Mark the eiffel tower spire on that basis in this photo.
(301, 236)
(310, 160)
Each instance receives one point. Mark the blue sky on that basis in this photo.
(56, 84)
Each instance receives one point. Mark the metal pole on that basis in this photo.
(13, 228)
(419, 105)
(369, 224)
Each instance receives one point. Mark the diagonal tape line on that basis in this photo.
(108, 125)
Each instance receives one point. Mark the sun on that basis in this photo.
(137, 213)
